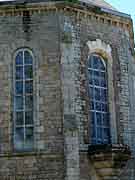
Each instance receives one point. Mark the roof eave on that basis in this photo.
(103, 9)
(107, 10)
(117, 13)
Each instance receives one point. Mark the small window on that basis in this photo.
(98, 99)
(23, 101)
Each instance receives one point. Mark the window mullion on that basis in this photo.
(95, 122)
(24, 99)
(14, 77)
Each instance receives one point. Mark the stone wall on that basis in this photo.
(31, 166)
(59, 39)
(39, 33)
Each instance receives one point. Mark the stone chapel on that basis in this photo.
(67, 91)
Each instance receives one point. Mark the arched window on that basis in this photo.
(98, 98)
(23, 100)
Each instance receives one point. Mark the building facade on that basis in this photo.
(67, 82)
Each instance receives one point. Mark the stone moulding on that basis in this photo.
(81, 10)
(108, 160)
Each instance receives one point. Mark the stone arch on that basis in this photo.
(100, 48)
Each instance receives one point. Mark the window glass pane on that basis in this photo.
(28, 87)
(90, 76)
(98, 106)
(90, 72)
(91, 92)
(103, 75)
(92, 105)
(99, 118)
(29, 117)
(28, 102)
(19, 72)
(27, 58)
(28, 72)
(19, 58)
(104, 107)
(19, 87)
(99, 141)
(96, 81)
(29, 133)
(97, 93)
(93, 117)
(90, 81)
(95, 62)
(19, 118)
(103, 83)
(29, 138)
(94, 141)
(19, 102)
(105, 117)
(90, 62)
(96, 74)
(93, 132)
(19, 138)
(98, 63)
(99, 132)
(104, 95)
(101, 65)
(106, 133)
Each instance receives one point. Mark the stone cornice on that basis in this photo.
(79, 10)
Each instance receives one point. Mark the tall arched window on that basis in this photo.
(98, 98)
(23, 100)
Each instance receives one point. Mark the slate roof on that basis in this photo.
(100, 3)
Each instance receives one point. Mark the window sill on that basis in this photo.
(108, 148)
(29, 153)
(109, 159)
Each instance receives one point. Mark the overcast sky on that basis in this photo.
(127, 6)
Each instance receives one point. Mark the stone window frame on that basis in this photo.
(13, 85)
(105, 51)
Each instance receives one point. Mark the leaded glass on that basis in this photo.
(28, 58)
(29, 102)
(29, 117)
(19, 58)
(19, 138)
(19, 87)
(28, 72)
(97, 78)
(19, 102)
(28, 87)
(19, 72)
(19, 118)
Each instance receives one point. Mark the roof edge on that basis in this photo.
(103, 9)
(117, 13)
(107, 10)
